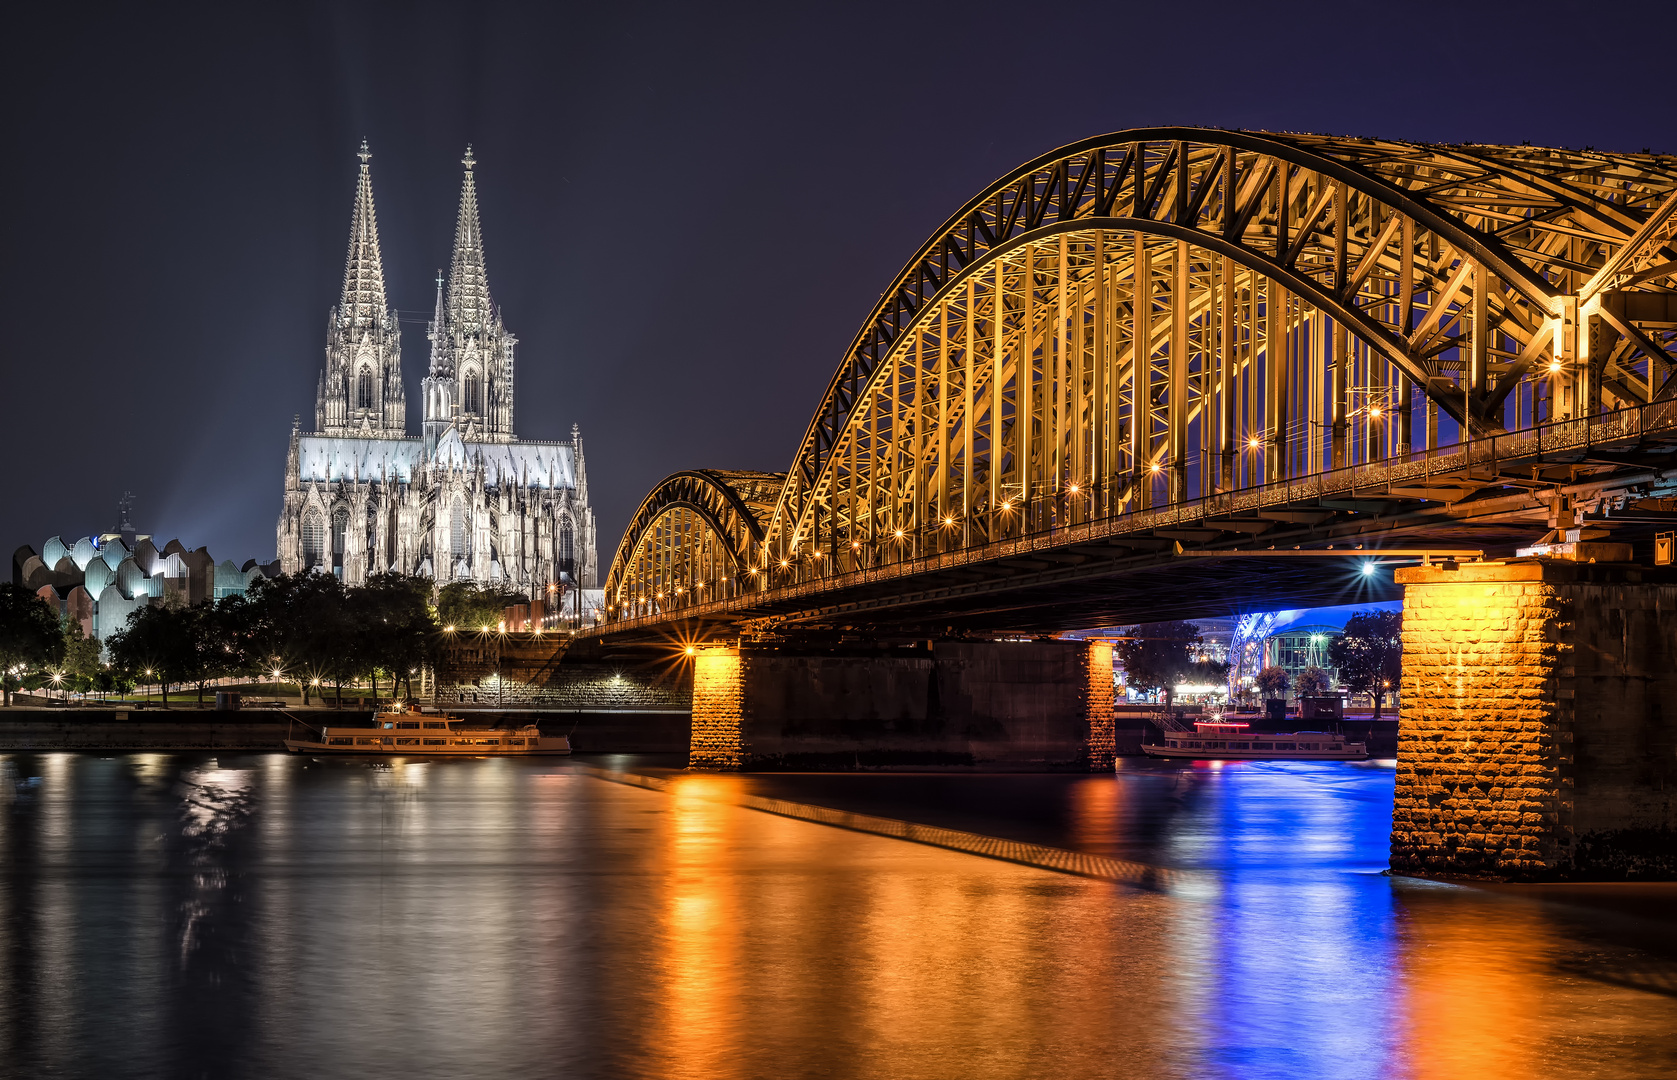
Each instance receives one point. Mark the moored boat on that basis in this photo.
(1231, 740)
(418, 734)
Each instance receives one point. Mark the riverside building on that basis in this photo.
(465, 498)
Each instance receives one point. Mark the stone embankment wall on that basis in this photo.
(117, 730)
(1040, 704)
(1539, 731)
(540, 672)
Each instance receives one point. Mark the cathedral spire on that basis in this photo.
(439, 347)
(363, 302)
(469, 309)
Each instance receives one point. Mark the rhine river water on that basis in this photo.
(268, 916)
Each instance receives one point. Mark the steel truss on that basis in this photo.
(1163, 315)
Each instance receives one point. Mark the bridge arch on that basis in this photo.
(692, 534)
(1163, 313)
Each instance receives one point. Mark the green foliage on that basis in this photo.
(470, 606)
(1157, 656)
(308, 626)
(1369, 654)
(81, 664)
(1273, 682)
(30, 637)
(1313, 682)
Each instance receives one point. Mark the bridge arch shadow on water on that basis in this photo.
(1138, 354)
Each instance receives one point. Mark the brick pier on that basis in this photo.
(1538, 738)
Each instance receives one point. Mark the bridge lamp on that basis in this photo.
(1154, 467)
(949, 521)
(1074, 489)
(783, 564)
(1554, 367)
(1008, 505)
(899, 534)
(855, 544)
(1253, 443)
(1374, 411)
(690, 650)
(1368, 569)
(448, 629)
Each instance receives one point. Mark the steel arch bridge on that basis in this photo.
(1204, 337)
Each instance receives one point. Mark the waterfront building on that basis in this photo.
(466, 499)
(1292, 639)
(99, 579)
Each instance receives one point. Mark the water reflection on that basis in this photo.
(262, 915)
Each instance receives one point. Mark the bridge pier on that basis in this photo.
(1036, 705)
(1538, 738)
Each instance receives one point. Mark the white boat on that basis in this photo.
(1230, 740)
(416, 734)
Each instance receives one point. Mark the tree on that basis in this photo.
(1369, 654)
(395, 626)
(30, 637)
(149, 646)
(1273, 682)
(1157, 656)
(1313, 682)
(81, 657)
(471, 606)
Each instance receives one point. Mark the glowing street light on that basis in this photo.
(1368, 569)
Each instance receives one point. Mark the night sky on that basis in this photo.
(688, 209)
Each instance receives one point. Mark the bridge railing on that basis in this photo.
(1054, 523)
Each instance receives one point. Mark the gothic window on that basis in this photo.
(314, 539)
(474, 394)
(340, 526)
(457, 530)
(364, 388)
(567, 547)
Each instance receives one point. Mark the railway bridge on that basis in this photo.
(1179, 372)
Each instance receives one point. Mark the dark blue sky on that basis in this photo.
(688, 208)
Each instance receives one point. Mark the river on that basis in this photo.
(268, 916)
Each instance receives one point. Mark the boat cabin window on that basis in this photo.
(435, 724)
(436, 742)
(336, 741)
(388, 725)
(407, 742)
(407, 723)
(366, 742)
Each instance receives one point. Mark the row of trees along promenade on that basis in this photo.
(306, 628)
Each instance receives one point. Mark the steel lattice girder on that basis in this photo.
(1004, 358)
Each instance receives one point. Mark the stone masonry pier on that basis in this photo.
(1538, 738)
(1028, 705)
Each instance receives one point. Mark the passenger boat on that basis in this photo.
(417, 734)
(1229, 740)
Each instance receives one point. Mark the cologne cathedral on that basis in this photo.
(465, 499)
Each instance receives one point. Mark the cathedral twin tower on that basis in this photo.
(465, 499)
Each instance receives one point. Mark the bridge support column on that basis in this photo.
(718, 709)
(1022, 705)
(1538, 736)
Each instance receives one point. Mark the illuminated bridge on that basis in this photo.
(1178, 372)
(1129, 378)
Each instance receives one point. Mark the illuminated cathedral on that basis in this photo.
(465, 499)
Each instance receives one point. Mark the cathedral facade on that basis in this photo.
(463, 500)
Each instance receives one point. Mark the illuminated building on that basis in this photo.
(466, 499)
